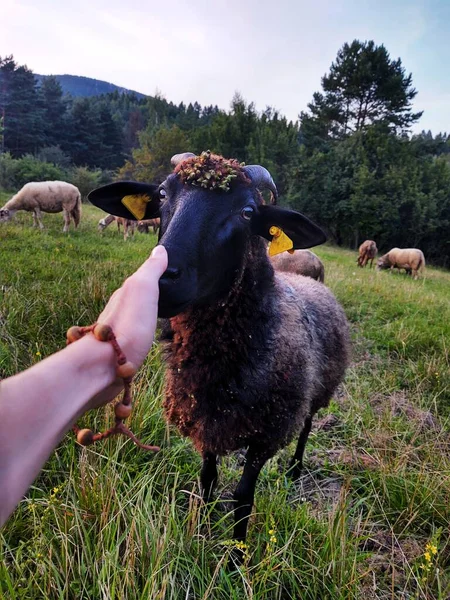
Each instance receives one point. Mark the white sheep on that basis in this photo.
(45, 196)
(410, 259)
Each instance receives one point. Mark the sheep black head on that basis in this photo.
(210, 208)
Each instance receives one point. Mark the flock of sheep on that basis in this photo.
(60, 196)
(410, 259)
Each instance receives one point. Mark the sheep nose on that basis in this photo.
(171, 273)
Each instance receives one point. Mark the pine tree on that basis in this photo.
(20, 108)
(364, 87)
(54, 111)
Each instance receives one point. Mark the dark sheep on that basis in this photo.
(251, 354)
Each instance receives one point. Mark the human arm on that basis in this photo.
(39, 405)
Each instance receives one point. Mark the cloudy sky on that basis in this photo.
(273, 52)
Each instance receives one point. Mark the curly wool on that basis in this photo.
(211, 172)
(249, 371)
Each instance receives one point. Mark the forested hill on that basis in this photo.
(350, 163)
(87, 86)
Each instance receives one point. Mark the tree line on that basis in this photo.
(349, 162)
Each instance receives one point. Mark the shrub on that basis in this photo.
(15, 173)
(85, 180)
(54, 155)
(8, 168)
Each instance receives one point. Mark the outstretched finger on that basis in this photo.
(155, 265)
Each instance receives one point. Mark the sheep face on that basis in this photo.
(5, 215)
(205, 234)
(383, 263)
(205, 230)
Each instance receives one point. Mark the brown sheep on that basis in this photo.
(143, 226)
(128, 225)
(367, 251)
(301, 262)
(410, 259)
(45, 196)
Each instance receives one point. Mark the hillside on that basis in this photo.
(86, 86)
(367, 520)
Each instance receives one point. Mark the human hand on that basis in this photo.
(132, 313)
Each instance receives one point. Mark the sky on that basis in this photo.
(272, 52)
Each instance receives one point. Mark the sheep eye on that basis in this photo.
(247, 212)
(162, 193)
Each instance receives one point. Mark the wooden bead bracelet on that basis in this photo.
(126, 371)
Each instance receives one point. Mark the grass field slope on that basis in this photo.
(369, 518)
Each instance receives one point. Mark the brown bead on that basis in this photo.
(73, 334)
(102, 332)
(122, 411)
(126, 370)
(85, 437)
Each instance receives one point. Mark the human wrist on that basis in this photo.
(95, 367)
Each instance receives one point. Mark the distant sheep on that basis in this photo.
(104, 223)
(367, 251)
(143, 226)
(410, 259)
(301, 262)
(45, 196)
(128, 225)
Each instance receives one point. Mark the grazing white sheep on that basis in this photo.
(410, 259)
(45, 196)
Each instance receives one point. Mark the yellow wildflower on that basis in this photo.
(431, 548)
(427, 556)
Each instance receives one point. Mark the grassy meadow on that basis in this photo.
(369, 518)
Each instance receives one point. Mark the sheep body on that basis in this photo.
(367, 251)
(301, 262)
(279, 358)
(46, 196)
(410, 259)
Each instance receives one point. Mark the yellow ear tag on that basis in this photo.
(280, 241)
(136, 204)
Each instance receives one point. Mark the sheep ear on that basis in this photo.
(303, 232)
(128, 199)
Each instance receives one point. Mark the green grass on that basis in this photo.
(123, 524)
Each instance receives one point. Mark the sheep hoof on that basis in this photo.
(295, 470)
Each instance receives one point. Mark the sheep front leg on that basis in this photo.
(37, 215)
(208, 475)
(245, 493)
(66, 214)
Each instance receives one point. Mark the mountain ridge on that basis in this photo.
(80, 86)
